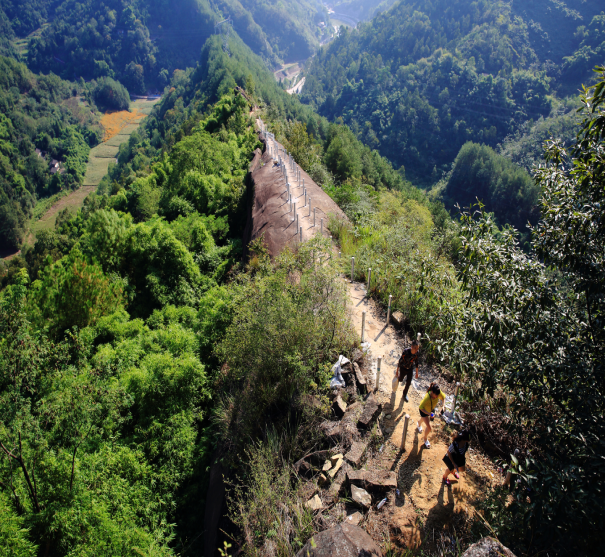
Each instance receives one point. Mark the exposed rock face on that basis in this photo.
(488, 547)
(344, 540)
(268, 209)
(371, 410)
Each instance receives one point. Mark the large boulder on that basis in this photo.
(488, 547)
(344, 540)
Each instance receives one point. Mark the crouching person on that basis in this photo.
(455, 456)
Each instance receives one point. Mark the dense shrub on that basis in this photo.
(110, 95)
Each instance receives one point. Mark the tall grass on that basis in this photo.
(397, 242)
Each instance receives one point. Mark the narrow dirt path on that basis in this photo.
(425, 506)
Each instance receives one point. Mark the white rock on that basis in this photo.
(361, 496)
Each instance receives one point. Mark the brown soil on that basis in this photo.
(425, 507)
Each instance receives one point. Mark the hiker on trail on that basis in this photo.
(426, 408)
(455, 456)
(408, 359)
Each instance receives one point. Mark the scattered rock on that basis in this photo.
(487, 547)
(361, 496)
(354, 518)
(356, 452)
(336, 467)
(371, 410)
(351, 410)
(344, 540)
(346, 368)
(332, 430)
(303, 468)
(398, 318)
(338, 481)
(388, 416)
(315, 503)
(335, 458)
(339, 406)
(373, 480)
(322, 480)
(327, 466)
(357, 355)
(361, 380)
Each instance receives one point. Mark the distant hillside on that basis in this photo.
(141, 44)
(45, 137)
(421, 79)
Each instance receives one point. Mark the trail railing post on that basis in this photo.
(368, 283)
(352, 269)
(378, 381)
(309, 213)
(294, 208)
(300, 233)
(388, 311)
(404, 432)
(321, 226)
(314, 217)
(363, 323)
(454, 401)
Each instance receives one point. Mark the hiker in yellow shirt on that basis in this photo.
(427, 406)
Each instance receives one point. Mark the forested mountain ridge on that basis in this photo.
(141, 44)
(136, 345)
(420, 80)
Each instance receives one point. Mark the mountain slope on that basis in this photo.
(423, 78)
(141, 44)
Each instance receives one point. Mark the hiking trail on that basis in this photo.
(425, 509)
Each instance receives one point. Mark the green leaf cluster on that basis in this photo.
(532, 328)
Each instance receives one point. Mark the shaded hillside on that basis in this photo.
(425, 77)
(141, 44)
(45, 138)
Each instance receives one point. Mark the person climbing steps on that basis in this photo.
(455, 456)
(408, 359)
(426, 408)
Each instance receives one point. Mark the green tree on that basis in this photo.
(532, 327)
(73, 293)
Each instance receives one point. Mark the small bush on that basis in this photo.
(109, 94)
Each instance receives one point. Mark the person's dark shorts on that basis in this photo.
(424, 414)
(459, 461)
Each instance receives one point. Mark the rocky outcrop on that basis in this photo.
(344, 540)
(268, 210)
(488, 547)
(373, 480)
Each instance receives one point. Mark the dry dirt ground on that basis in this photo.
(424, 510)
